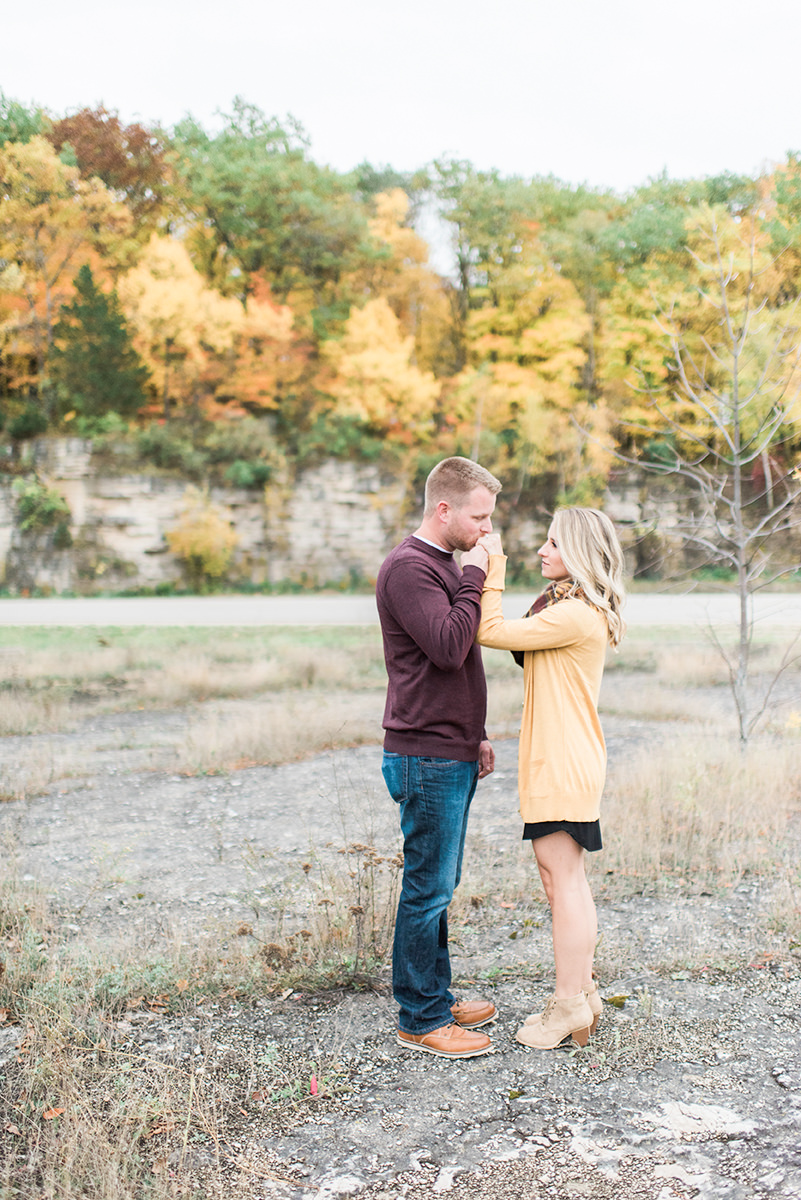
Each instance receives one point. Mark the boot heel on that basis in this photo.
(581, 1035)
(595, 1003)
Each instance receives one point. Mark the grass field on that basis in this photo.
(83, 1112)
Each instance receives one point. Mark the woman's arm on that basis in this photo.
(562, 624)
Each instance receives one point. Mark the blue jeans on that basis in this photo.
(434, 796)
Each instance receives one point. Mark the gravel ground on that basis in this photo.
(692, 1086)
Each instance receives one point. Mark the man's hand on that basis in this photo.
(486, 760)
(491, 543)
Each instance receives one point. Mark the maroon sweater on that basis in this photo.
(437, 694)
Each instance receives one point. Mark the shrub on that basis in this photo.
(346, 437)
(203, 540)
(249, 439)
(110, 424)
(171, 451)
(29, 424)
(248, 474)
(62, 538)
(39, 507)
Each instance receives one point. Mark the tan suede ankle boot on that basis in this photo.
(564, 1020)
(593, 999)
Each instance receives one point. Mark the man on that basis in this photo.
(435, 747)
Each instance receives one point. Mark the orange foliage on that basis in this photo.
(51, 223)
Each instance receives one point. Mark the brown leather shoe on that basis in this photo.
(450, 1041)
(472, 1014)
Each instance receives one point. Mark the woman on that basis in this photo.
(562, 756)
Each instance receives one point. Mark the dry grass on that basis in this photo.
(703, 812)
(32, 768)
(86, 1108)
(90, 1105)
(23, 713)
(250, 696)
(786, 910)
(278, 729)
(54, 679)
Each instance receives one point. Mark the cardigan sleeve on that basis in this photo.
(564, 624)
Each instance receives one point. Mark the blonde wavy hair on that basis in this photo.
(590, 549)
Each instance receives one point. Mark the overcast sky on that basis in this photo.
(607, 92)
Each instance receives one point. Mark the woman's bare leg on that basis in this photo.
(560, 860)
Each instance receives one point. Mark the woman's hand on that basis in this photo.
(491, 543)
(477, 557)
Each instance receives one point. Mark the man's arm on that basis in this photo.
(443, 629)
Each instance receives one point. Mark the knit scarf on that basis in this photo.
(559, 589)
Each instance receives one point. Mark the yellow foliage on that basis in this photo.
(403, 278)
(203, 539)
(729, 284)
(527, 349)
(632, 352)
(389, 227)
(375, 378)
(166, 300)
(187, 332)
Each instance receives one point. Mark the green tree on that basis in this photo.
(18, 123)
(93, 358)
(485, 213)
(259, 204)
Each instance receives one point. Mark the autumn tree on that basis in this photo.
(51, 223)
(523, 383)
(94, 361)
(130, 160)
(256, 203)
(484, 213)
(199, 346)
(269, 369)
(399, 272)
(731, 411)
(645, 243)
(375, 379)
(182, 328)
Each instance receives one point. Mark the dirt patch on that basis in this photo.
(692, 1086)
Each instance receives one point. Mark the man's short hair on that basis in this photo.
(454, 479)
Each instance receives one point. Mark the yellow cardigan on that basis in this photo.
(562, 754)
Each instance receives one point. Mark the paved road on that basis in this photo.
(774, 609)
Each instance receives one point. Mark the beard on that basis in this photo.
(462, 541)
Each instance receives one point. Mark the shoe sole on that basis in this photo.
(442, 1053)
(532, 1020)
(579, 1037)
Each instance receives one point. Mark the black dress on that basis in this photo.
(586, 833)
